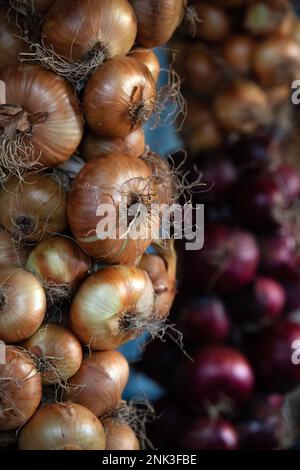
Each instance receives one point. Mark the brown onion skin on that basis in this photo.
(58, 346)
(110, 306)
(119, 435)
(65, 426)
(109, 174)
(119, 97)
(242, 107)
(75, 28)
(201, 129)
(157, 20)
(215, 24)
(59, 260)
(92, 145)
(238, 52)
(20, 387)
(12, 254)
(276, 61)
(103, 376)
(11, 42)
(22, 304)
(149, 58)
(34, 208)
(38, 90)
(164, 283)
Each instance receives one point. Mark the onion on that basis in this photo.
(227, 262)
(199, 69)
(279, 256)
(203, 319)
(58, 353)
(119, 97)
(57, 262)
(93, 146)
(201, 129)
(120, 182)
(261, 201)
(112, 306)
(149, 58)
(42, 123)
(272, 355)
(215, 24)
(217, 373)
(11, 42)
(85, 34)
(20, 389)
(161, 270)
(22, 305)
(119, 436)
(100, 382)
(209, 434)
(34, 208)
(238, 53)
(11, 254)
(259, 303)
(66, 426)
(157, 20)
(277, 61)
(265, 18)
(242, 107)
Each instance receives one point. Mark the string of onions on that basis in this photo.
(122, 186)
(119, 97)
(157, 20)
(112, 306)
(11, 254)
(79, 36)
(56, 352)
(92, 145)
(20, 389)
(33, 208)
(100, 382)
(41, 124)
(22, 304)
(60, 264)
(65, 426)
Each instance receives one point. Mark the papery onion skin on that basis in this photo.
(37, 90)
(110, 179)
(157, 20)
(75, 28)
(33, 208)
(58, 260)
(149, 58)
(93, 146)
(20, 389)
(11, 254)
(100, 382)
(112, 306)
(276, 61)
(65, 426)
(11, 42)
(119, 435)
(55, 347)
(242, 107)
(119, 97)
(22, 304)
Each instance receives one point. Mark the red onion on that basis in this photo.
(204, 319)
(218, 373)
(228, 260)
(209, 434)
